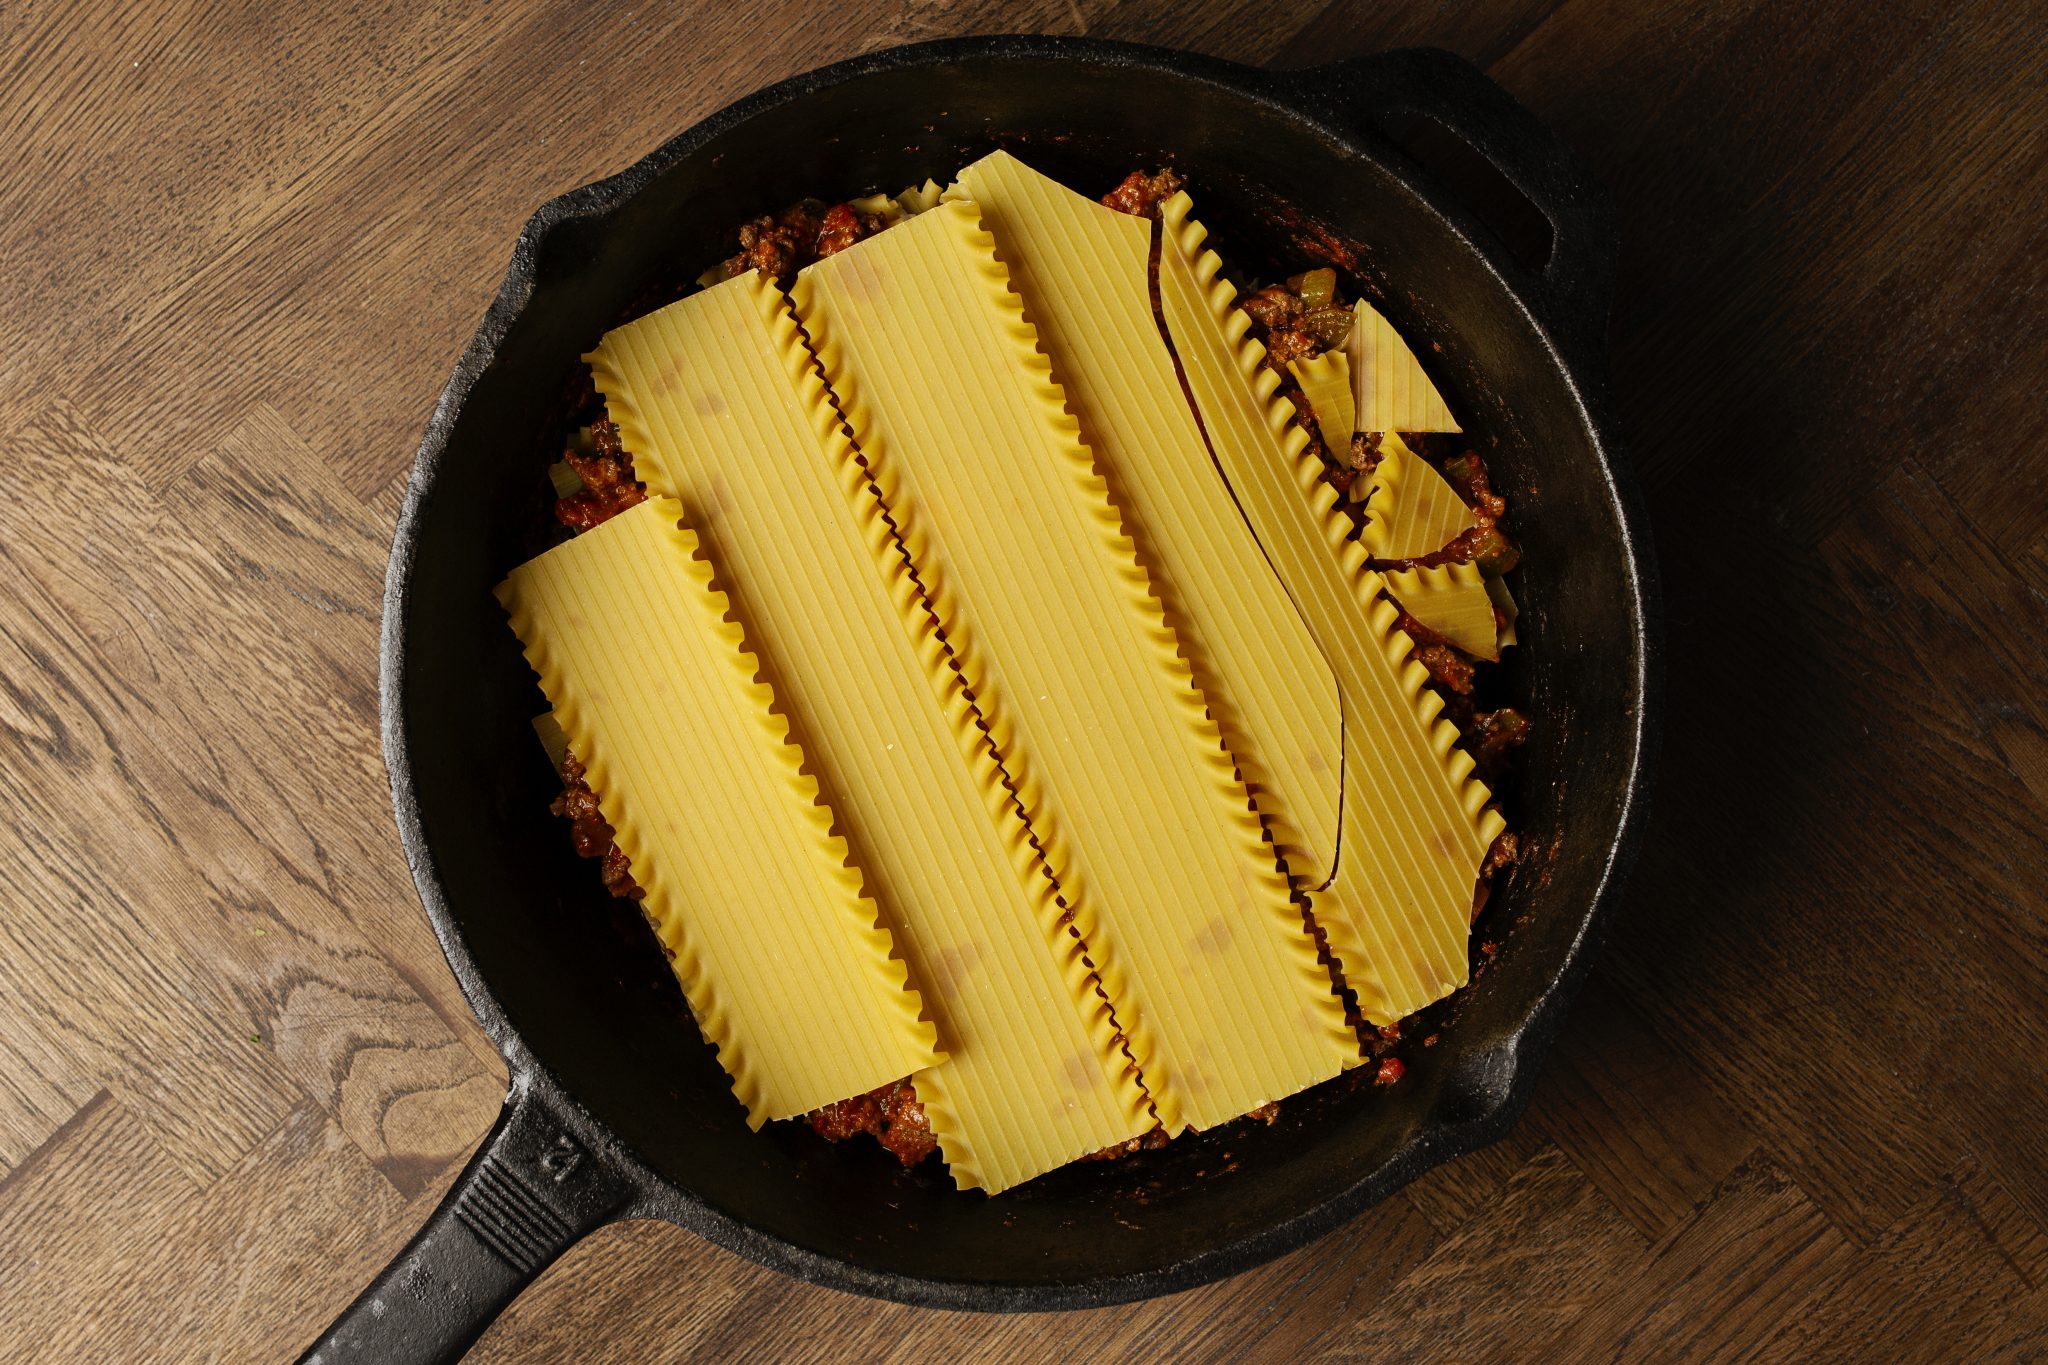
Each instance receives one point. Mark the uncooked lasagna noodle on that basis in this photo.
(1451, 600)
(720, 405)
(1326, 387)
(1082, 272)
(1102, 733)
(1413, 511)
(1415, 824)
(1393, 391)
(777, 949)
(1497, 589)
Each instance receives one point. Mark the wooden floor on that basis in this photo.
(1800, 1112)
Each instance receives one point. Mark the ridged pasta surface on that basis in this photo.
(777, 948)
(1083, 272)
(1416, 825)
(1100, 728)
(720, 404)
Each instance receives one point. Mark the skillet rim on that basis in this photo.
(1504, 1075)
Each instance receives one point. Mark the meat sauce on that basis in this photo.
(1296, 319)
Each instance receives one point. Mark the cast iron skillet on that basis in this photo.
(616, 1108)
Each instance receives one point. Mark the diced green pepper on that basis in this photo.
(1316, 288)
(1493, 552)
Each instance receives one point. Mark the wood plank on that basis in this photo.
(307, 563)
(179, 802)
(1627, 1109)
(461, 98)
(171, 1272)
(1966, 1265)
(130, 1009)
(1783, 256)
(1721, 1286)
(1482, 34)
(1510, 1280)
(1452, 1195)
(705, 1307)
(1797, 1114)
(42, 1086)
(80, 1224)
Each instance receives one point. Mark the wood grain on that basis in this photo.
(1799, 1113)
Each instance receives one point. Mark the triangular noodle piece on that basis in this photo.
(721, 406)
(1504, 602)
(1451, 600)
(920, 198)
(1393, 391)
(1415, 824)
(1326, 386)
(1083, 272)
(776, 947)
(1413, 511)
(1096, 718)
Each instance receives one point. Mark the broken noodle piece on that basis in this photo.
(1082, 272)
(1412, 511)
(1416, 826)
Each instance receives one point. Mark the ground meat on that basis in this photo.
(842, 227)
(893, 1115)
(609, 486)
(1505, 850)
(1290, 329)
(906, 1130)
(1466, 473)
(1365, 451)
(781, 244)
(1150, 1140)
(1490, 736)
(1141, 195)
(1449, 666)
(1274, 308)
(1287, 345)
(843, 1119)
(588, 832)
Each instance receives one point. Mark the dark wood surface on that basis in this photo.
(1799, 1113)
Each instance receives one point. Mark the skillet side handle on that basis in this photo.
(1572, 293)
(531, 1191)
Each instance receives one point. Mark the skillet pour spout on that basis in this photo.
(617, 1108)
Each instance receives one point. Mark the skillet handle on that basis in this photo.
(1571, 293)
(531, 1191)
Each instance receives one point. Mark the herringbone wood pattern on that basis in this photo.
(1801, 1111)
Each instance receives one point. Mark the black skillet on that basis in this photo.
(617, 1109)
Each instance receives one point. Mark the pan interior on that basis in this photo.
(574, 972)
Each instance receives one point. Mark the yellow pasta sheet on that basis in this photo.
(1102, 733)
(1497, 589)
(1413, 511)
(777, 949)
(1083, 273)
(552, 738)
(1452, 601)
(1415, 827)
(1326, 387)
(721, 406)
(1394, 393)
